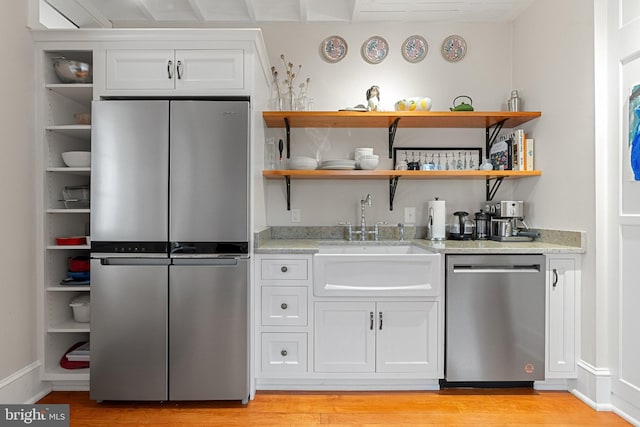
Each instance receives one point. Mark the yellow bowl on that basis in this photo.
(413, 104)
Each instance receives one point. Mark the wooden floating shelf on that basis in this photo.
(408, 119)
(390, 174)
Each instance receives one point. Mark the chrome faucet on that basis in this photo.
(363, 224)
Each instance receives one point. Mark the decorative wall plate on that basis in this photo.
(375, 49)
(333, 49)
(454, 48)
(415, 48)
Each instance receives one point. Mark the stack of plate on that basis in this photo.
(338, 164)
(303, 163)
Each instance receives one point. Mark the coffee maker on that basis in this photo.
(506, 219)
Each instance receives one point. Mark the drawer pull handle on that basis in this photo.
(283, 353)
(284, 306)
(284, 268)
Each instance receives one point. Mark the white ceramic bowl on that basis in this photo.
(414, 104)
(303, 163)
(364, 150)
(368, 164)
(77, 159)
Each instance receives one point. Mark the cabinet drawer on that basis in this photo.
(284, 353)
(284, 306)
(284, 269)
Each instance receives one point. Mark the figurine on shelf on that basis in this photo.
(373, 98)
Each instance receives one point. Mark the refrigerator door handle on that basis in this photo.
(228, 261)
(134, 261)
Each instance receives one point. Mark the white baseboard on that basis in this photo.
(593, 386)
(345, 384)
(24, 386)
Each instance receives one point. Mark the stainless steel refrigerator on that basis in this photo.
(169, 243)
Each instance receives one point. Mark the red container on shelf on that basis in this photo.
(67, 241)
(78, 264)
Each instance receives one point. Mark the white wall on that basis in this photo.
(17, 284)
(484, 75)
(553, 65)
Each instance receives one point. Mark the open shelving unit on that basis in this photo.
(59, 132)
(492, 122)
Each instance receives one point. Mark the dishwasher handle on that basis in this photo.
(496, 269)
(218, 261)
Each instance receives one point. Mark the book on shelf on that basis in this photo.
(529, 154)
(512, 151)
(501, 153)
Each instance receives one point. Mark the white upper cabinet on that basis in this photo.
(175, 70)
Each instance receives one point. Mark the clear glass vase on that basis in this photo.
(275, 99)
(289, 101)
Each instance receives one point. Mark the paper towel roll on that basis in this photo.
(437, 209)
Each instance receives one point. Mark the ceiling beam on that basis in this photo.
(81, 12)
(304, 17)
(142, 5)
(197, 10)
(250, 10)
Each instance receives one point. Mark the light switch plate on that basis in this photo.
(295, 215)
(410, 215)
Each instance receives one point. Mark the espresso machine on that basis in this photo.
(507, 222)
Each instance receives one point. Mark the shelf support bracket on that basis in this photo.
(493, 189)
(392, 135)
(287, 183)
(393, 184)
(492, 134)
(288, 130)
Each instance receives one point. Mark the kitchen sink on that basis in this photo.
(366, 249)
(376, 270)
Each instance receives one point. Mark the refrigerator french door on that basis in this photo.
(169, 264)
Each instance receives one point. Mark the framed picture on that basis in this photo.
(634, 131)
(449, 158)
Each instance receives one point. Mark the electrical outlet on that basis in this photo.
(410, 215)
(295, 215)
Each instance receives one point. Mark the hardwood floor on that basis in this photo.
(493, 407)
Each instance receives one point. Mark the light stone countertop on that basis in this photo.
(305, 240)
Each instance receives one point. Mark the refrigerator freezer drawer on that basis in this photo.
(208, 349)
(129, 332)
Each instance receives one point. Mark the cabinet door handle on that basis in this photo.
(284, 306)
(179, 69)
(284, 268)
(380, 316)
(283, 353)
(371, 320)
(555, 277)
(170, 69)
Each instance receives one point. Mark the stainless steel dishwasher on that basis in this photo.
(495, 311)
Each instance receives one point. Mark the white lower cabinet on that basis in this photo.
(282, 306)
(563, 275)
(284, 354)
(383, 337)
(283, 283)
